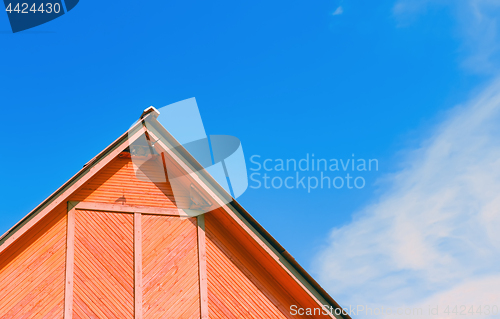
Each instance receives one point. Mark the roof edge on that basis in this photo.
(269, 239)
(286, 255)
(71, 181)
(149, 110)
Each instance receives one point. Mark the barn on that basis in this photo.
(108, 244)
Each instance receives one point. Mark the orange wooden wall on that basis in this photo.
(32, 271)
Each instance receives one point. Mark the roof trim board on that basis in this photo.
(62, 194)
(87, 168)
(207, 180)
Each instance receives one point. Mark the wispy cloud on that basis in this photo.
(338, 11)
(478, 25)
(433, 237)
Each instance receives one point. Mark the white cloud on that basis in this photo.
(433, 237)
(478, 26)
(338, 11)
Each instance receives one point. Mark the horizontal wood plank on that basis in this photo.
(131, 209)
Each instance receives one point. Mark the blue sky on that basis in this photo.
(287, 78)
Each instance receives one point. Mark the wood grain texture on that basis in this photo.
(202, 267)
(70, 263)
(170, 267)
(125, 208)
(32, 271)
(138, 266)
(236, 285)
(117, 183)
(104, 269)
(256, 262)
(243, 278)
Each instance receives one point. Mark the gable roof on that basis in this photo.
(237, 214)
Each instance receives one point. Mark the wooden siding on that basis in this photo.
(243, 280)
(253, 260)
(234, 291)
(117, 183)
(170, 267)
(32, 271)
(104, 268)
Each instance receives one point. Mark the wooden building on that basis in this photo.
(109, 245)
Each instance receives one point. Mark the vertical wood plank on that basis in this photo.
(170, 271)
(104, 265)
(202, 262)
(70, 262)
(138, 265)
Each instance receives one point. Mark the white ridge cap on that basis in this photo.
(149, 110)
